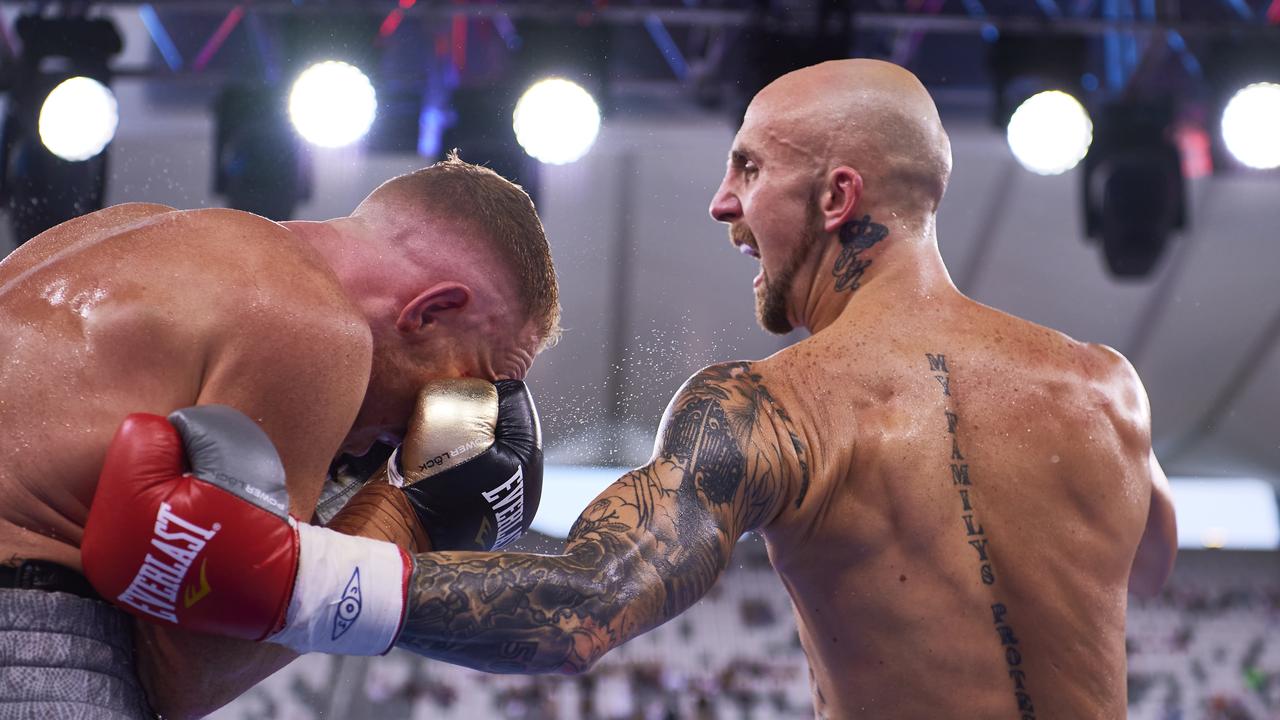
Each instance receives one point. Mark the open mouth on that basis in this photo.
(745, 242)
(743, 239)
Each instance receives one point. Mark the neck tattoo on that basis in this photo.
(855, 237)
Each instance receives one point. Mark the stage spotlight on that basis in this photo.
(1050, 133)
(78, 118)
(1134, 189)
(1251, 126)
(1022, 65)
(59, 121)
(1243, 99)
(556, 121)
(332, 104)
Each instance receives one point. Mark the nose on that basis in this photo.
(725, 206)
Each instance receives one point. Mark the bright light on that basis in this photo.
(1251, 126)
(1050, 133)
(332, 104)
(78, 119)
(556, 121)
(1238, 513)
(566, 492)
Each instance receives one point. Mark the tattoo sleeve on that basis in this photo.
(727, 460)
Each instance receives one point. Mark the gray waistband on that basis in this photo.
(64, 656)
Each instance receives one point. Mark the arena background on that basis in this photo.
(652, 289)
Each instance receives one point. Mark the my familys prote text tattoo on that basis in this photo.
(855, 237)
(976, 536)
(1013, 659)
(727, 461)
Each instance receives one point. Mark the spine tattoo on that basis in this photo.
(979, 541)
(644, 551)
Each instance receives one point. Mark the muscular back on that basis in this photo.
(140, 308)
(979, 487)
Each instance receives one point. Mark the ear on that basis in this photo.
(840, 196)
(433, 305)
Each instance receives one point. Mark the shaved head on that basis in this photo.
(837, 168)
(870, 115)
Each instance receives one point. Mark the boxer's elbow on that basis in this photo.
(613, 601)
(576, 668)
(579, 660)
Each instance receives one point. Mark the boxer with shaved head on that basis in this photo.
(957, 500)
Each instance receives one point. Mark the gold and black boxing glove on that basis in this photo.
(471, 463)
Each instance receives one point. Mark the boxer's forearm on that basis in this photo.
(515, 614)
(625, 571)
(382, 512)
(649, 547)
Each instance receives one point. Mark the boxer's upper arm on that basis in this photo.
(646, 549)
(726, 442)
(726, 461)
(303, 383)
(302, 377)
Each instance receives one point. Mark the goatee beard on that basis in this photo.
(772, 294)
(771, 304)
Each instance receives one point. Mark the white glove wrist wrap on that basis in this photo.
(349, 595)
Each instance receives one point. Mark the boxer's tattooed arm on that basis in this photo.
(856, 236)
(728, 460)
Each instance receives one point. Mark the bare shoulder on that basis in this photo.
(139, 208)
(1114, 372)
(248, 265)
(76, 232)
(1102, 367)
(1110, 362)
(115, 215)
(734, 384)
(246, 291)
(112, 220)
(728, 419)
(719, 379)
(268, 248)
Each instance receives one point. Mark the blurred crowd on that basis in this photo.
(1207, 649)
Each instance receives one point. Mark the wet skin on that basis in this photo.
(140, 308)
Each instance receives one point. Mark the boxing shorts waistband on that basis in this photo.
(47, 576)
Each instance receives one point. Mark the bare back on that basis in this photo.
(140, 308)
(979, 487)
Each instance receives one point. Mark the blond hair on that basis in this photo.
(503, 214)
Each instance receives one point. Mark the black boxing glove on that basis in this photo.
(471, 463)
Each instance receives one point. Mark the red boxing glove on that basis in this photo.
(215, 550)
